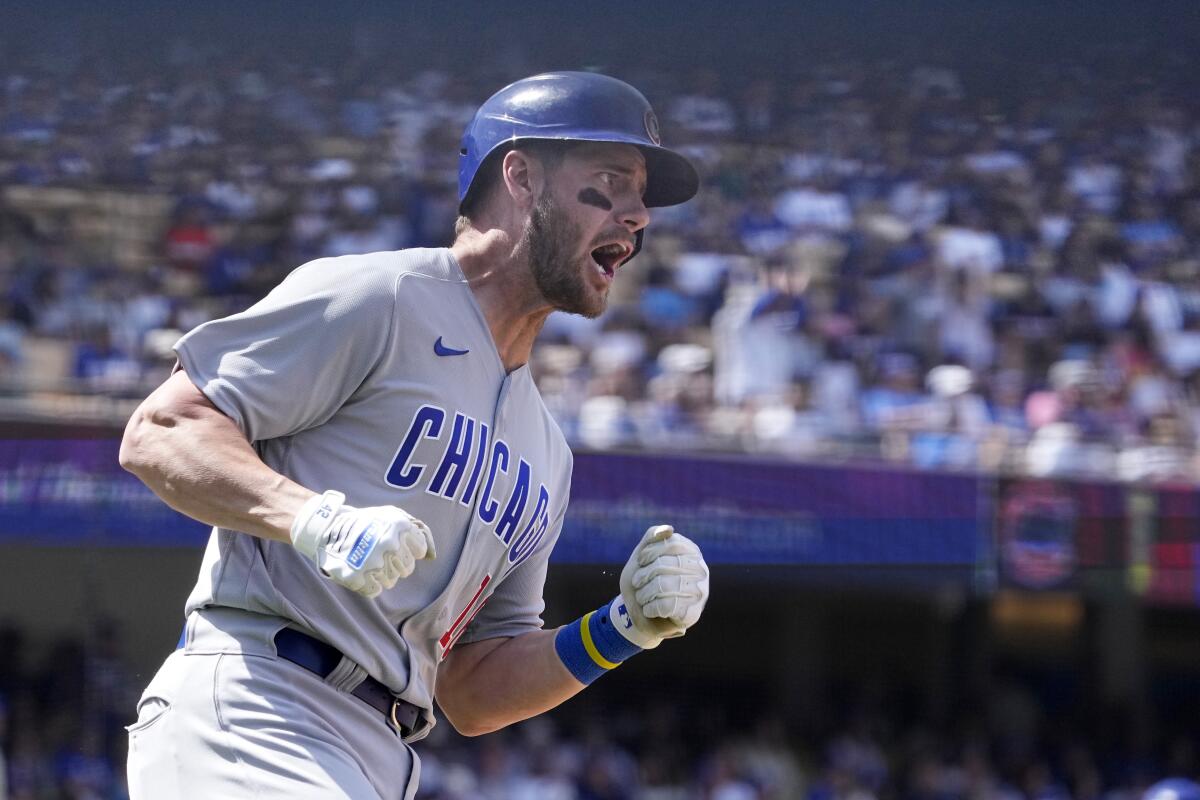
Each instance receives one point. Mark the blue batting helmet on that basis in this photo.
(1173, 789)
(575, 106)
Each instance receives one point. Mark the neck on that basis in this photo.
(498, 273)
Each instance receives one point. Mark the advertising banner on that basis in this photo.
(73, 492)
(756, 512)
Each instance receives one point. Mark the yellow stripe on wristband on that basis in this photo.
(590, 646)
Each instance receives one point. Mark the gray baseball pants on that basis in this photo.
(250, 724)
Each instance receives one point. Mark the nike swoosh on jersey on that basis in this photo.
(443, 350)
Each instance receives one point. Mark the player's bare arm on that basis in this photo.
(196, 460)
(484, 686)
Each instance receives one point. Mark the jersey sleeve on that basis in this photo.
(291, 360)
(517, 604)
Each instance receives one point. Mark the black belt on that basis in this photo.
(321, 658)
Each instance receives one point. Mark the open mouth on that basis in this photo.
(610, 256)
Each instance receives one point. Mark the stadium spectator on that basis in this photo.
(856, 211)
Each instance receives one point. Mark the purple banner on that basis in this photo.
(73, 492)
(753, 512)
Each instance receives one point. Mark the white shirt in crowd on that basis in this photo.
(966, 248)
(920, 205)
(1098, 185)
(995, 162)
(806, 208)
(703, 114)
(967, 335)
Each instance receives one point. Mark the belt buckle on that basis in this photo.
(399, 726)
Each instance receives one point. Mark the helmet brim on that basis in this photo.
(670, 177)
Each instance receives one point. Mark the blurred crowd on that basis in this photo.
(952, 268)
(62, 716)
(63, 708)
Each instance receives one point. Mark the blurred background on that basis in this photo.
(919, 369)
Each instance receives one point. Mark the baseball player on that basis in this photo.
(385, 484)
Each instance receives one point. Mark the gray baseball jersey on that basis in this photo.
(376, 375)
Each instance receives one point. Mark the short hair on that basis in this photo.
(549, 152)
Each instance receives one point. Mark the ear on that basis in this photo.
(524, 177)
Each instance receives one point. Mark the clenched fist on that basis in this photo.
(664, 587)
(364, 549)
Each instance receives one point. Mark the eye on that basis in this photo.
(610, 179)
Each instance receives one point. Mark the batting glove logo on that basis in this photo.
(362, 547)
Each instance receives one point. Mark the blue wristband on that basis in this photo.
(590, 646)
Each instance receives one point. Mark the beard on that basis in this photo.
(551, 239)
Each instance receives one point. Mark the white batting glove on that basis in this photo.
(664, 587)
(364, 549)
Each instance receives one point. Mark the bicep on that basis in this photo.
(180, 411)
(175, 401)
(183, 398)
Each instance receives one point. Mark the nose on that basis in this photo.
(634, 215)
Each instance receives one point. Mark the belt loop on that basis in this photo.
(346, 676)
(341, 673)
